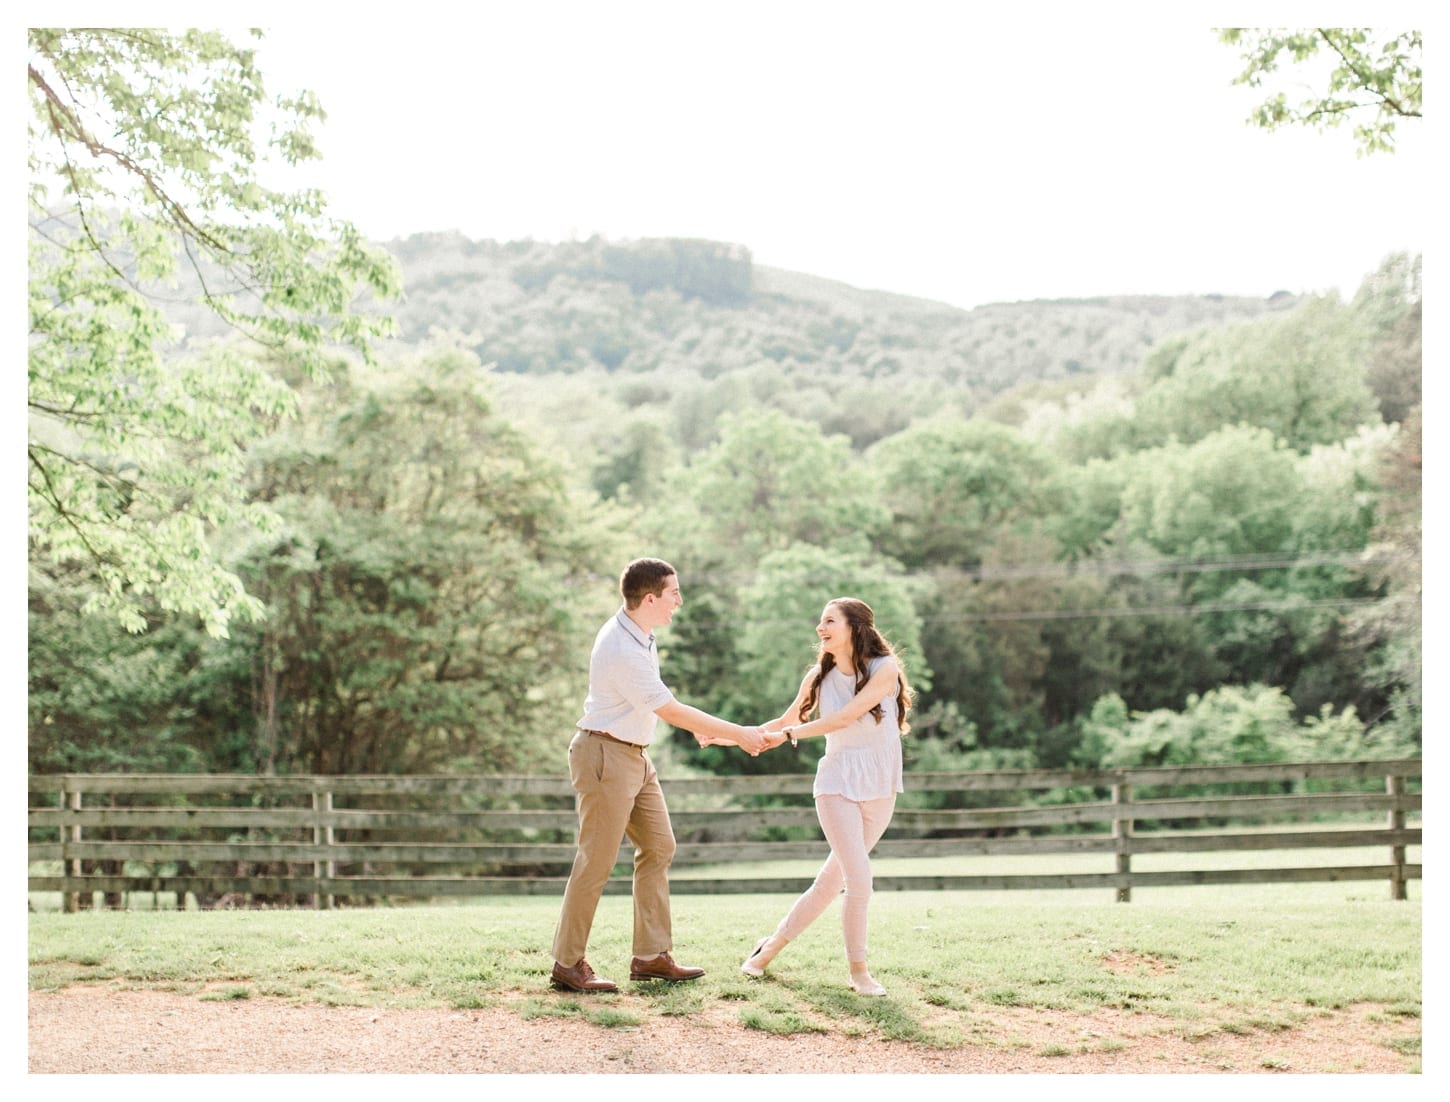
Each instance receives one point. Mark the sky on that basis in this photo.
(906, 146)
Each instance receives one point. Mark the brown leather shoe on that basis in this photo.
(580, 978)
(662, 967)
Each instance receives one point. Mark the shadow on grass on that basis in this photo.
(600, 1010)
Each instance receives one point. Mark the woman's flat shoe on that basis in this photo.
(750, 968)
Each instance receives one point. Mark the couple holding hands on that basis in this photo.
(857, 692)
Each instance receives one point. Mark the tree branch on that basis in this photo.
(1366, 80)
(64, 121)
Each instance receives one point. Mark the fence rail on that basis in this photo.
(312, 840)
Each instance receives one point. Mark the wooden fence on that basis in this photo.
(314, 840)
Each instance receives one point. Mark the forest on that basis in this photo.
(1101, 532)
(300, 501)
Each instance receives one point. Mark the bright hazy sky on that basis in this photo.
(893, 145)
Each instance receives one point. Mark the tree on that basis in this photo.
(1389, 301)
(1232, 723)
(151, 202)
(773, 480)
(952, 485)
(778, 642)
(1302, 375)
(1371, 82)
(430, 590)
(104, 701)
(430, 596)
(769, 482)
(1268, 539)
(1392, 629)
(631, 462)
(990, 659)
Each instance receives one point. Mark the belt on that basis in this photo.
(611, 738)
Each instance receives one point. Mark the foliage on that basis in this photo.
(103, 703)
(989, 637)
(1301, 375)
(431, 590)
(707, 270)
(1374, 79)
(1227, 494)
(1391, 632)
(148, 184)
(1227, 724)
(1271, 540)
(1086, 419)
(952, 486)
(1389, 301)
(772, 480)
(1154, 535)
(791, 588)
(858, 363)
(1050, 504)
(1036, 583)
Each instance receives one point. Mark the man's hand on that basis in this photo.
(752, 740)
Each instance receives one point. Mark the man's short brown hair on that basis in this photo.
(642, 577)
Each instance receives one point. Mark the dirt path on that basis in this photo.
(91, 1030)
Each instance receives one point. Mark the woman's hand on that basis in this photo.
(773, 739)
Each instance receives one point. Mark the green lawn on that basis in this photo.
(1212, 958)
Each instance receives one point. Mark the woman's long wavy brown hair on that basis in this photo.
(866, 643)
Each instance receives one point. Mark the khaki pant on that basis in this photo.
(617, 794)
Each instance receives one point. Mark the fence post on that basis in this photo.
(1123, 837)
(69, 832)
(1395, 786)
(322, 835)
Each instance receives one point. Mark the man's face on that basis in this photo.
(660, 608)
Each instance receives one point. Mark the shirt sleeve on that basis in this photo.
(638, 682)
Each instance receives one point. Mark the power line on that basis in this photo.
(1115, 567)
(1092, 613)
(1166, 610)
(1149, 567)
(1289, 560)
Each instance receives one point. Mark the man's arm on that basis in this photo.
(703, 723)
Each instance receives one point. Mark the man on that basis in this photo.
(617, 792)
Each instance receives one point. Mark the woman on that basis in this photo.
(859, 692)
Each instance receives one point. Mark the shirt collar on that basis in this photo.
(644, 639)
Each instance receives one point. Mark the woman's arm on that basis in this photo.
(879, 686)
(791, 714)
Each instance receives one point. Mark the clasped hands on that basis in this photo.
(753, 740)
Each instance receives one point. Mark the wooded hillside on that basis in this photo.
(1115, 531)
(663, 309)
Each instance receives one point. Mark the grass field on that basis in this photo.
(1241, 957)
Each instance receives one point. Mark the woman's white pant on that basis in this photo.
(852, 828)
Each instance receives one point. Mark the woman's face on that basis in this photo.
(835, 633)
